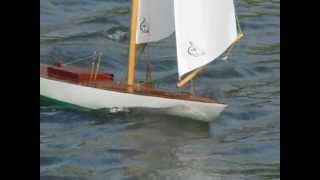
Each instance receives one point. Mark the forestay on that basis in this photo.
(155, 20)
(204, 30)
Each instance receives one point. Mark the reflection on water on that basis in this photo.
(243, 143)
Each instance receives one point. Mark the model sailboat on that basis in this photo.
(204, 29)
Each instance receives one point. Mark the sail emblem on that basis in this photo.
(144, 26)
(194, 51)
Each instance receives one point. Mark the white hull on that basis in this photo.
(94, 98)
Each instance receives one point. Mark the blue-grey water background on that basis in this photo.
(243, 143)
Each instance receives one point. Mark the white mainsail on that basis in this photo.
(204, 30)
(155, 20)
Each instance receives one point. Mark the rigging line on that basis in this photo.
(97, 67)
(93, 64)
(226, 56)
(149, 67)
(238, 25)
(240, 34)
(148, 64)
(80, 59)
(145, 48)
(192, 87)
(53, 58)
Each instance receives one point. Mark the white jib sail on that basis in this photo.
(204, 30)
(155, 20)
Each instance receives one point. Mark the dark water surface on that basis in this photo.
(243, 143)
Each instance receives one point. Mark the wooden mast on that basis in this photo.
(132, 55)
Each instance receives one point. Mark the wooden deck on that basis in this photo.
(139, 89)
